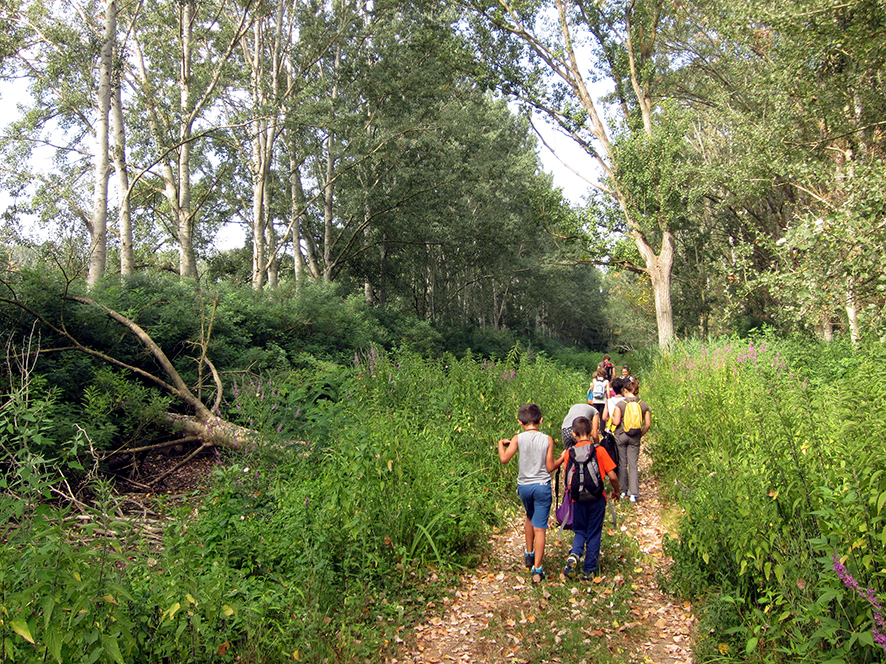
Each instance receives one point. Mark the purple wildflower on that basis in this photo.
(867, 594)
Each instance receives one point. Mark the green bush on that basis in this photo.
(775, 451)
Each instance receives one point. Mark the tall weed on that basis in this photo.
(778, 461)
(398, 488)
(374, 483)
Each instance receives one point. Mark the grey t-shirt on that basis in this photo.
(579, 410)
(532, 448)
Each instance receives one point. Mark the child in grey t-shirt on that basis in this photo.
(533, 482)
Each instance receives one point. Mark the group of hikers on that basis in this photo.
(613, 412)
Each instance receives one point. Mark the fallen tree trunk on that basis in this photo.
(214, 430)
(205, 423)
(211, 429)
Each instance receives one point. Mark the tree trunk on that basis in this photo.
(272, 264)
(368, 292)
(328, 213)
(328, 185)
(299, 212)
(210, 428)
(659, 268)
(258, 207)
(382, 293)
(185, 222)
(852, 315)
(127, 257)
(98, 226)
(297, 198)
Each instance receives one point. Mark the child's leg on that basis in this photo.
(543, 500)
(580, 528)
(540, 534)
(537, 501)
(633, 458)
(596, 515)
(622, 465)
(529, 531)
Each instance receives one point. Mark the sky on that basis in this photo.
(566, 158)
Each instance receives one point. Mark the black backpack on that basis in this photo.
(583, 474)
(607, 440)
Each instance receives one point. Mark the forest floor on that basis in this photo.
(498, 615)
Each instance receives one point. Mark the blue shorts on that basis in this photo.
(537, 501)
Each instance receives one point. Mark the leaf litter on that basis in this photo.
(659, 629)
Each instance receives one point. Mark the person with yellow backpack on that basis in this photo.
(631, 418)
(615, 385)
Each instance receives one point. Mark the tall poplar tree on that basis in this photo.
(177, 85)
(98, 223)
(549, 55)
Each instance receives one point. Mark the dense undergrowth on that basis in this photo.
(374, 481)
(776, 451)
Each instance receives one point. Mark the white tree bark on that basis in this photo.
(852, 315)
(98, 224)
(127, 257)
(265, 59)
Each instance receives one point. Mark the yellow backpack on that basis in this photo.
(632, 418)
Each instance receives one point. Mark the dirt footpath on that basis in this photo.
(496, 605)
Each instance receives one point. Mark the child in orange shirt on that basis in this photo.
(587, 517)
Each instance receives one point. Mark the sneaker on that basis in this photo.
(634, 499)
(623, 495)
(529, 560)
(588, 576)
(538, 574)
(571, 565)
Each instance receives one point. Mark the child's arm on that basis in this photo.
(595, 428)
(613, 480)
(505, 454)
(550, 463)
(647, 422)
(557, 463)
